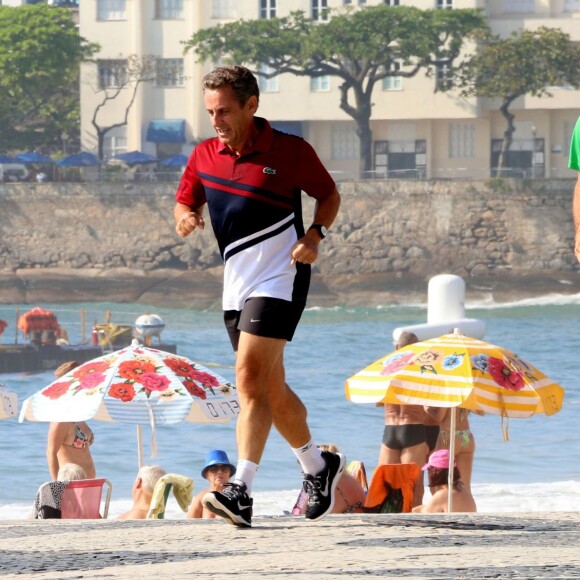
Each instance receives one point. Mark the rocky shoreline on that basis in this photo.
(202, 289)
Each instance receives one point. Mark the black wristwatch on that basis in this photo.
(322, 230)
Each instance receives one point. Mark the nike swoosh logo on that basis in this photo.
(243, 507)
(325, 491)
(254, 320)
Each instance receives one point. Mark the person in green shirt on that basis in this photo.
(574, 163)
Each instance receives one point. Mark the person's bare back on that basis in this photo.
(461, 501)
(404, 414)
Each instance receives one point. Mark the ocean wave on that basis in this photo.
(552, 299)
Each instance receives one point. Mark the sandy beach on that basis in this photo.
(400, 545)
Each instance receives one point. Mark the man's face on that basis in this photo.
(218, 475)
(232, 122)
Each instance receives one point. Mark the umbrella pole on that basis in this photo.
(140, 446)
(451, 458)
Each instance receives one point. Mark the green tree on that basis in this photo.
(361, 47)
(528, 62)
(40, 56)
(124, 75)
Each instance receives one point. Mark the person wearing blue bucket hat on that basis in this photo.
(217, 470)
(218, 458)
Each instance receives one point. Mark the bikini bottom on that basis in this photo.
(465, 438)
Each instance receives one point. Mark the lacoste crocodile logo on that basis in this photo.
(269, 171)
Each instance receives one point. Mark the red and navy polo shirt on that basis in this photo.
(254, 203)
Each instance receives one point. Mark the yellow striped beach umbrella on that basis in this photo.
(457, 371)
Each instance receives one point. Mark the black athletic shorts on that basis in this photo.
(269, 317)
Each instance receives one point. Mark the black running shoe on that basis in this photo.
(233, 504)
(320, 488)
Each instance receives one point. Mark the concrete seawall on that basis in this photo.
(78, 241)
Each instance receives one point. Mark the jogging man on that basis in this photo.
(251, 177)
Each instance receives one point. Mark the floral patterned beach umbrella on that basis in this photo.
(136, 385)
(457, 371)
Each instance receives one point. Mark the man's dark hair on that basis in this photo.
(406, 339)
(242, 81)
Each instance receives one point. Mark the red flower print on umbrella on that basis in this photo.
(123, 391)
(195, 390)
(178, 366)
(134, 369)
(504, 376)
(88, 369)
(56, 390)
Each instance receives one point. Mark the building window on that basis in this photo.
(461, 140)
(169, 72)
(320, 84)
(267, 85)
(115, 142)
(444, 4)
(518, 6)
(112, 74)
(391, 2)
(319, 9)
(394, 82)
(111, 10)
(345, 142)
(168, 9)
(443, 77)
(267, 8)
(223, 9)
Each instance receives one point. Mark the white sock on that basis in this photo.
(310, 458)
(245, 472)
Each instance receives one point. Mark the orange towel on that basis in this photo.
(387, 479)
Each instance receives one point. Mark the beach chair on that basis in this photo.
(357, 470)
(72, 499)
(182, 490)
(81, 499)
(392, 487)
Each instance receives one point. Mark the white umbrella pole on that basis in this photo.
(451, 458)
(140, 446)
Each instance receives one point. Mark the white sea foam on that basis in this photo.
(563, 496)
(553, 299)
(485, 303)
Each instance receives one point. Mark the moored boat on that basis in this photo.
(46, 344)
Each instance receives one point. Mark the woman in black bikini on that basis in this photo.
(69, 442)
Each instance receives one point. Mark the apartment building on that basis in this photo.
(416, 132)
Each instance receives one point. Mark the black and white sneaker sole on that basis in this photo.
(214, 506)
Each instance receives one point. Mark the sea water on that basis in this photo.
(538, 469)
